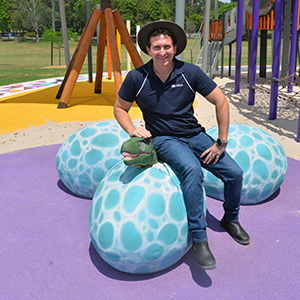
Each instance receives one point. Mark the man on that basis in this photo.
(164, 89)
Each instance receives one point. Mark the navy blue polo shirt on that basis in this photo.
(167, 107)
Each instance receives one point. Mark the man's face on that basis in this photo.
(161, 50)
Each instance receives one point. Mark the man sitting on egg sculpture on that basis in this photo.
(164, 89)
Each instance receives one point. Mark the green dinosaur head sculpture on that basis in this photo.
(139, 152)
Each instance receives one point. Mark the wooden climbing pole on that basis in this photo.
(108, 20)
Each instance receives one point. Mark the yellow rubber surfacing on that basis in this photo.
(36, 107)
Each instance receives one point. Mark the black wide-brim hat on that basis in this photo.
(176, 30)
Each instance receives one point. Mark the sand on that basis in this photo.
(284, 128)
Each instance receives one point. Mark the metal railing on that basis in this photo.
(215, 35)
(215, 47)
(198, 37)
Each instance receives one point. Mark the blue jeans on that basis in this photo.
(183, 156)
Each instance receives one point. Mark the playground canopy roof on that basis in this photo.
(265, 6)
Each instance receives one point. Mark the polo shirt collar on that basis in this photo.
(178, 68)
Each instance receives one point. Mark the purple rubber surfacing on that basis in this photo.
(46, 250)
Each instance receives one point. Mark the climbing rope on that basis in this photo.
(285, 92)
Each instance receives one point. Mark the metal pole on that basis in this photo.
(98, 26)
(216, 9)
(263, 53)
(216, 18)
(249, 48)
(239, 36)
(223, 38)
(138, 27)
(286, 39)
(253, 54)
(179, 18)
(293, 52)
(293, 40)
(128, 55)
(53, 27)
(90, 65)
(276, 58)
(206, 31)
(64, 31)
(53, 14)
(230, 56)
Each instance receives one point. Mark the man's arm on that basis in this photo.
(221, 103)
(121, 109)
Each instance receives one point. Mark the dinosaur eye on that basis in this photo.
(147, 141)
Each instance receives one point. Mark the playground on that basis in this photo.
(46, 249)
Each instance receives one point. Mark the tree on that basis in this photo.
(140, 12)
(195, 7)
(56, 38)
(129, 11)
(31, 11)
(171, 4)
(47, 14)
(76, 13)
(157, 10)
(196, 19)
(35, 14)
(5, 16)
(225, 7)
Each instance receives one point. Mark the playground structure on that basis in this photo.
(108, 20)
(247, 20)
(289, 33)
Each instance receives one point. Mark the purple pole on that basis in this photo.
(293, 41)
(293, 52)
(253, 54)
(276, 58)
(298, 135)
(239, 36)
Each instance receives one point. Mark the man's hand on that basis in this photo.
(121, 109)
(213, 153)
(140, 132)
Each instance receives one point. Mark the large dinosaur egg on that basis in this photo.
(261, 157)
(138, 221)
(85, 157)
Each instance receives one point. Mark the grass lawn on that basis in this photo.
(22, 61)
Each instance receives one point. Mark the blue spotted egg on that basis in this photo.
(261, 157)
(138, 221)
(85, 157)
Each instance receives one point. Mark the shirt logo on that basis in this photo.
(176, 85)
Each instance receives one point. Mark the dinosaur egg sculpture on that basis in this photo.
(261, 157)
(85, 157)
(138, 220)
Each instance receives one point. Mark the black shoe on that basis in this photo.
(236, 231)
(203, 256)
